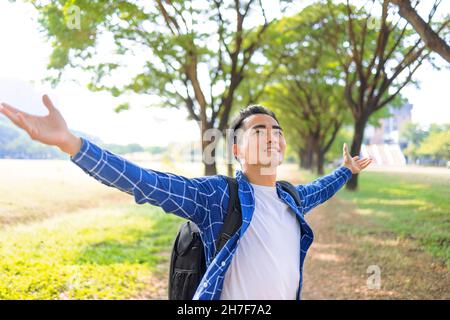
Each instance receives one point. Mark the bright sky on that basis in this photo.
(24, 55)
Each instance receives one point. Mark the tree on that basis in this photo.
(305, 90)
(344, 135)
(195, 54)
(414, 134)
(311, 119)
(378, 58)
(431, 39)
(436, 145)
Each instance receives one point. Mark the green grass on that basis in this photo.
(101, 253)
(411, 206)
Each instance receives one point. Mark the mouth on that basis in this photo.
(272, 150)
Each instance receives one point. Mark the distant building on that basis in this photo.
(384, 143)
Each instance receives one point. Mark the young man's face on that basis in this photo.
(261, 142)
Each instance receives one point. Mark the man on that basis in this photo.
(264, 259)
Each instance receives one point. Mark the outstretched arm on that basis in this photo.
(322, 189)
(184, 197)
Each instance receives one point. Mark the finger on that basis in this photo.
(363, 160)
(10, 114)
(9, 107)
(48, 103)
(345, 150)
(355, 158)
(13, 110)
(365, 163)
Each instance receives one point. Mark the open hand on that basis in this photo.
(354, 163)
(50, 129)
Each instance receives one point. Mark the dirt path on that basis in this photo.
(336, 265)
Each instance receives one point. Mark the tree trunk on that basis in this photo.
(320, 161)
(309, 158)
(230, 170)
(306, 158)
(306, 154)
(210, 169)
(302, 156)
(209, 150)
(301, 159)
(355, 149)
(315, 152)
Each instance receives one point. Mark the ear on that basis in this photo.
(235, 151)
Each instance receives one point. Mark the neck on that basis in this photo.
(264, 176)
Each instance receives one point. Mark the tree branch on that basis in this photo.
(426, 33)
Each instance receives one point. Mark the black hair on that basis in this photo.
(245, 113)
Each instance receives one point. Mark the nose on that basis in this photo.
(273, 136)
(272, 139)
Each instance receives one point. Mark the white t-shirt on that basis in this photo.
(266, 265)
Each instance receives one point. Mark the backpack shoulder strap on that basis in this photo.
(233, 220)
(289, 188)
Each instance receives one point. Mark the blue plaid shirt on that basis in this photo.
(204, 201)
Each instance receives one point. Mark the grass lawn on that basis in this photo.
(412, 206)
(101, 253)
(63, 235)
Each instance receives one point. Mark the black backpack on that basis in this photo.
(187, 264)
